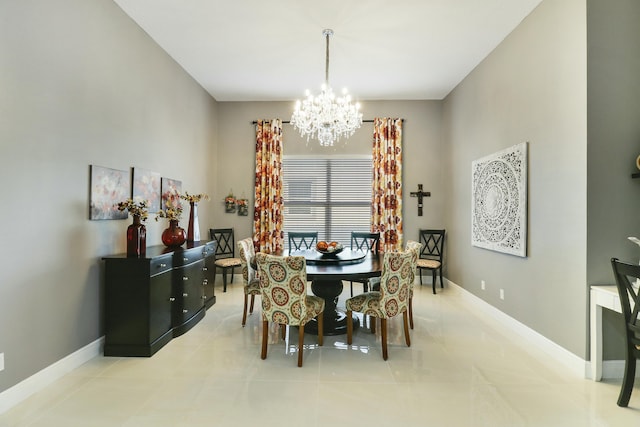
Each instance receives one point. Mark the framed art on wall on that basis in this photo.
(146, 186)
(108, 187)
(499, 201)
(170, 190)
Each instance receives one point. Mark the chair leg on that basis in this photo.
(253, 297)
(349, 327)
(411, 312)
(233, 269)
(383, 333)
(300, 344)
(373, 321)
(283, 331)
(244, 311)
(405, 320)
(265, 336)
(321, 329)
(420, 276)
(224, 280)
(433, 280)
(441, 282)
(351, 283)
(629, 376)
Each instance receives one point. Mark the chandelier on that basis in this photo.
(326, 117)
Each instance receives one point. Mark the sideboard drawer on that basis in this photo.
(161, 264)
(187, 257)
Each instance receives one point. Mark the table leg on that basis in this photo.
(595, 338)
(335, 321)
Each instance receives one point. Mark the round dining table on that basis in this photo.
(326, 272)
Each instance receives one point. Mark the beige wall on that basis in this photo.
(614, 143)
(81, 84)
(421, 143)
(530, 88)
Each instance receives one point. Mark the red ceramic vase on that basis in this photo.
(174, 235)
(136, 238)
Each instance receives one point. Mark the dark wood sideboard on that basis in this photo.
(150, 300)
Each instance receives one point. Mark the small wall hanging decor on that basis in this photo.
(243, 207)
(499, 201)
(230, 203)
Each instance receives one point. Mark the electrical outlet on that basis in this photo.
(501, 293)
(482, 285)
(1, 361)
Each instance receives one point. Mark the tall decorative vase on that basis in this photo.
(193, 231)
(174, 235)
(136, 238)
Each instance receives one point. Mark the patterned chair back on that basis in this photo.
(283, 281)
(398, 269)
(412, 245)
(246, 252)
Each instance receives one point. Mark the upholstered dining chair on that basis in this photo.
(299, 240)
(249, 277)
(225, 253)
(627, 276)
(391, 300)
(431, 254)
(366, 242)
(283, 282)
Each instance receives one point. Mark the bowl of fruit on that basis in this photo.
(329, 248)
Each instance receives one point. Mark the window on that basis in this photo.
(328, 195)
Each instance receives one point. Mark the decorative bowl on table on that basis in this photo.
(329, 249)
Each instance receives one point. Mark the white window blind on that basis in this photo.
(331, 196)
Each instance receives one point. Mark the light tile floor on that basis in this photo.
(462, 369)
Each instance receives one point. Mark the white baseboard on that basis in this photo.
(19, 392)
(575, 364)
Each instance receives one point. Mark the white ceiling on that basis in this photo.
(255, 50)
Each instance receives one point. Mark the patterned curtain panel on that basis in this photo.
(267, 220)
(386, 198)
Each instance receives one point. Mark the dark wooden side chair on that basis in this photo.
(225, 253)
(431, 254)
(300, 240)
(626, 278)
(366, 242)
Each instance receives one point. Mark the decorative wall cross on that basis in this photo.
(420, 194)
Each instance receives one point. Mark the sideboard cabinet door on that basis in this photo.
(209, 253)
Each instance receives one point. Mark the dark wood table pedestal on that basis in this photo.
(335, 320)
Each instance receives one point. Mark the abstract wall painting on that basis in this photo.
(108, 187)
(146, 186)
(171, 190)
(499, 201)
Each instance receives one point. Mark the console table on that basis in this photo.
(601, 296)
(150, 300)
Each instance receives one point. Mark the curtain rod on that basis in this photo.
(287, 121)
